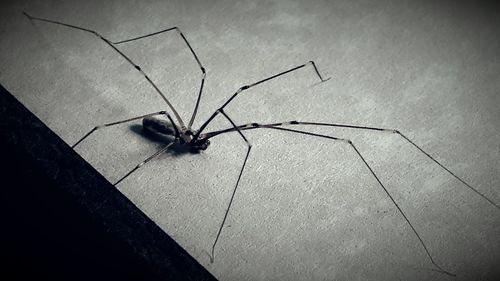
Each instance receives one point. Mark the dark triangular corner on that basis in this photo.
(62, 220)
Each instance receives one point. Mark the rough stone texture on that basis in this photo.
(307, 208)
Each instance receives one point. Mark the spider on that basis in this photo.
(196, 140)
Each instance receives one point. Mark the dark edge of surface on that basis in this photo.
(61, 219)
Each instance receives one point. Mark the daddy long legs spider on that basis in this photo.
(198, 140)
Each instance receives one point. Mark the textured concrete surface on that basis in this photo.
(307, 208)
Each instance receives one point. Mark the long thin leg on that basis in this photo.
(256, 125)
(235, 187)
(191, 120)
(109, 43)
(246, 87)
(438, 268)
(156, 154)
(125, 121)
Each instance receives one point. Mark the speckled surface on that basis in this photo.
(307, 208)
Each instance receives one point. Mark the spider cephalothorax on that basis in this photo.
(200, 144)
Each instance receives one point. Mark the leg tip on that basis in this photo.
(26, 14)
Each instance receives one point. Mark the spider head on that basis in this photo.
(200, 144)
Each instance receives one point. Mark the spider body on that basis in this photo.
(183, 136)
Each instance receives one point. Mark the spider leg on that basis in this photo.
(112, 45)
(177, 135)
(275, 126)
(153, 156)
(246, 87)
(256, 125)
(203, 72)
(235, 186)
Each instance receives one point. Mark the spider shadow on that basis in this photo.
(162, 140)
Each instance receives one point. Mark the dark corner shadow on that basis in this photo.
(62, 220)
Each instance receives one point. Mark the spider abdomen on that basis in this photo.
(158, 126)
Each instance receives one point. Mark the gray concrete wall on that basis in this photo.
(307, 208)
